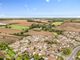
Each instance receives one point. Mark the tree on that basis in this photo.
(1, 58)
(60, 58)
(36, 57)
(21, 33)
(6, 26)
(3, 46)
(78, 56)
(66, 51)
(41, 58)
(26, 56)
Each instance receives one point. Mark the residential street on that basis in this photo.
(73, 54)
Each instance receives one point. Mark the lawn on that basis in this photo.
(55, 33)
(18, 27)
(57, 23)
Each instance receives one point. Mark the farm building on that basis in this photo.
(3, 23)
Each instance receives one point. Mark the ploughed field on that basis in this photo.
(10, 27)
(9, 31)
(70, 26)
(9, 39)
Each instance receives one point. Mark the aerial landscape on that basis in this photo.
(40, 39)
(39, 30)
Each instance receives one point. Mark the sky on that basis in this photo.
(39, 8)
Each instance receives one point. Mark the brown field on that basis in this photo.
(70, 26)
(9, 38)
(45, 33)
(24, 23)
(9, 31)
(20, 22)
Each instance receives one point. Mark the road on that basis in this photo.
(73, 54)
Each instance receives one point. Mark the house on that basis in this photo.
(2, 54)
(3, 23)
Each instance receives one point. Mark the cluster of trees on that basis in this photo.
(8, 52)
(21, 33)
(66, 51)
(46, 27)
(30, 20)
(7, 26)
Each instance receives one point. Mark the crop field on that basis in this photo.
(18, 27)
(70, 26)
(9, 31)
(57, 23)
(14, 26)
(2, 26)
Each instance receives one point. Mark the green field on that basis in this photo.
(57, 23)
(2, 26)
(14, 26)
(18, 27)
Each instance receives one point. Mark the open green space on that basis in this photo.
(18, 27)
(14, 26)
(60, 58)
(2, 26)
(57, 23)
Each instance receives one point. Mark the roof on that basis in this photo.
(3, 24)
(2, 55)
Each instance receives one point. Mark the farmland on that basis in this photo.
(18, 27)
(57, 23)
(39, 39)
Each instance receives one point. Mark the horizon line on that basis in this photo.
(43, 17)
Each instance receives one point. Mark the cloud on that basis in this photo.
(47, 0)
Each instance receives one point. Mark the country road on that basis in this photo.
(73, 54)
